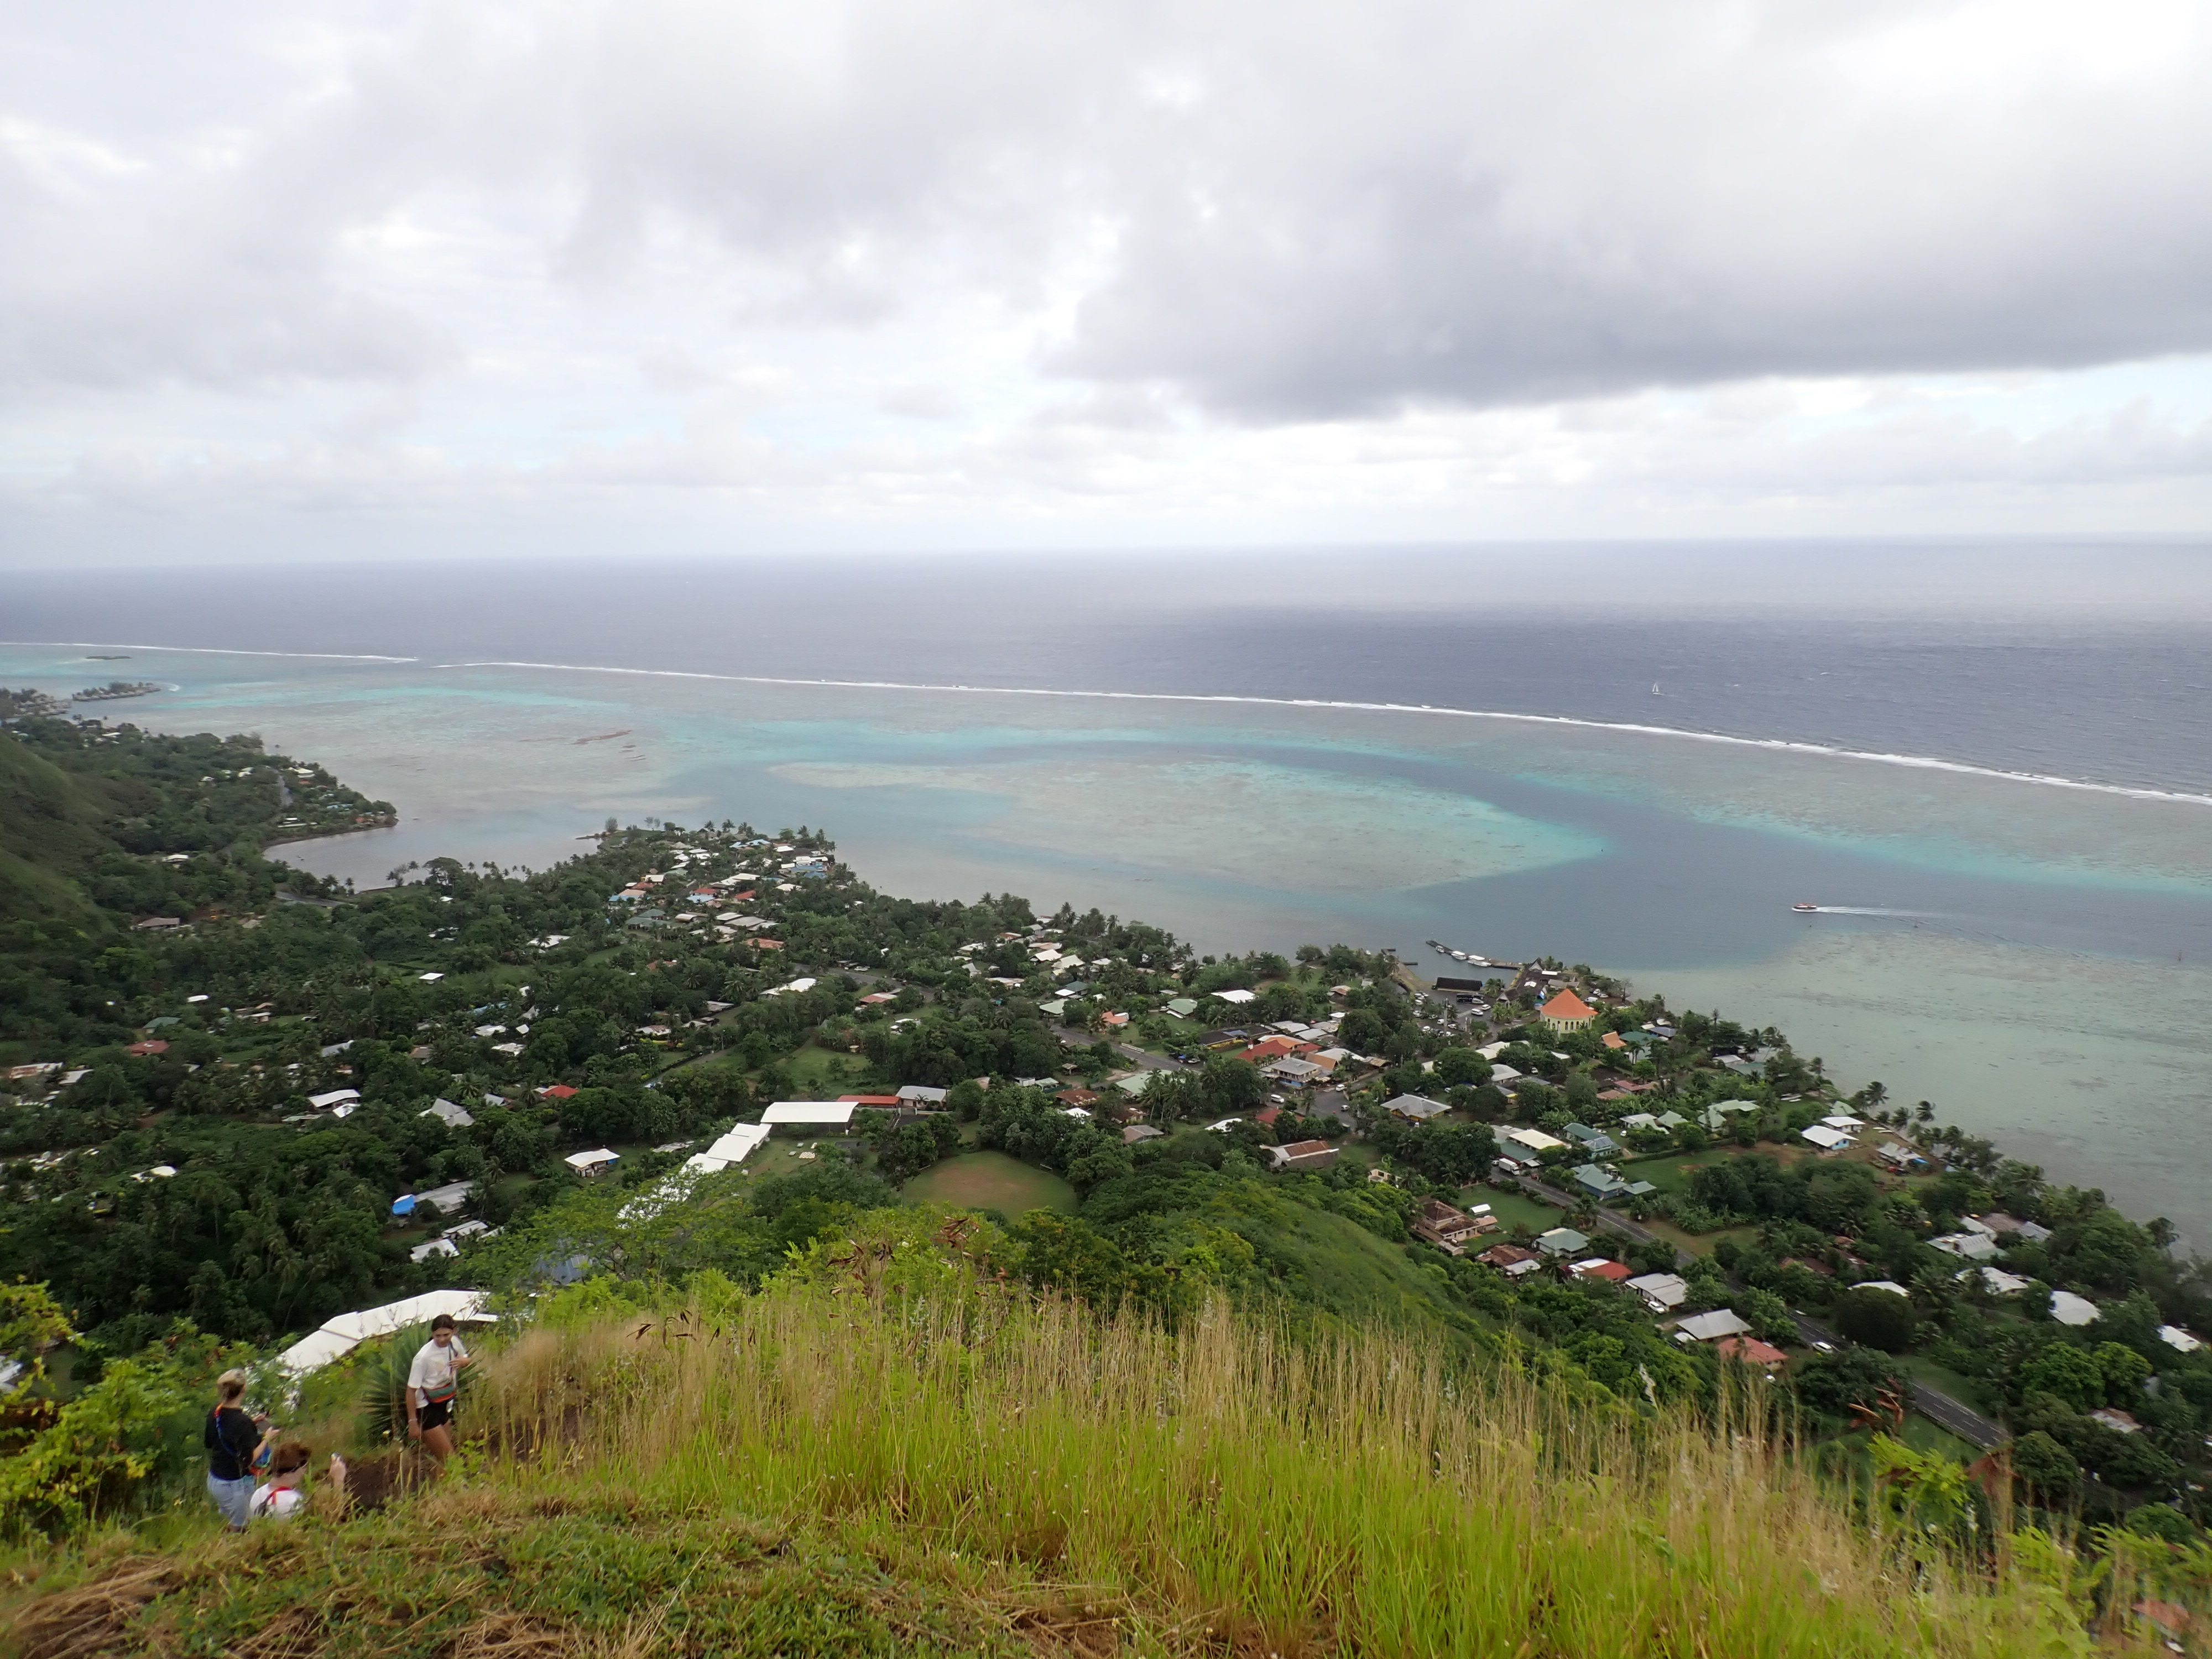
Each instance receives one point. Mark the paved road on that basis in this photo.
(1607, 1218)
(1945, 1412)
(1938, 1407)
(1328, 1103)
(1148, 1061)
(1128, 1051)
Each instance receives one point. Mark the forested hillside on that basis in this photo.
(239, 1102)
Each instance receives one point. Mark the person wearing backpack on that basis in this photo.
(284, 1495)
(233, 1440)
(432, 1381)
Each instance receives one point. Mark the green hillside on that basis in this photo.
(51, 834)
(891, 1450)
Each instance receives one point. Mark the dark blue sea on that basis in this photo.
(2063, 660)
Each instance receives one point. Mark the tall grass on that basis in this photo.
(1230, 1487)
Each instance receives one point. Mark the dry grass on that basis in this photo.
(1229, 1490)
(840, 1466)
(90, 1619)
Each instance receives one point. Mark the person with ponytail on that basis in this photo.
(233, 1441)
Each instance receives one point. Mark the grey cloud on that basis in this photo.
(1493, 203)
(1326, 208)
(917, 402)
(1299, 208)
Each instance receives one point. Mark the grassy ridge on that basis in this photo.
(888, 1451)
(50, 831)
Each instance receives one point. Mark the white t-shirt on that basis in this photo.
(278, 1502)
(435, 1369)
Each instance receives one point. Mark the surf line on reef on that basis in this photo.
(211, 650)
(1787, 745)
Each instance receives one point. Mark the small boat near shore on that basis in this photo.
(1805, 910)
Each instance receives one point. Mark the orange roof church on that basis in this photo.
(1566, 1012)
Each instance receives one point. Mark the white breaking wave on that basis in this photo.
(1925, 762)
(1867, 910)
(213, 650)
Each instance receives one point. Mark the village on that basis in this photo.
(736, 1010)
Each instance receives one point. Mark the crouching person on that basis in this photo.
(284, 1495)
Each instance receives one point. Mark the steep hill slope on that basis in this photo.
(50, 834)
(888, 1451)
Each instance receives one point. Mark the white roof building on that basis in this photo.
(1711, 1326)
(920, 1094)
(1968, 1247)
(323, 1101)
(1238, 997)
(2068, 1308)
(1828, 1140)
(827, 1114)
(341, 1335)
(1664, 1291)
(453, 1116)
(730, 1149)
(1415, 1106)
(2178, 1339)
(1995, 1279)
(1996, 1225)
(1889, 1285)
(593, 1161)
(1534, 1139)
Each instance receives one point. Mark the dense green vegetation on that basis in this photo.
(207, 1122)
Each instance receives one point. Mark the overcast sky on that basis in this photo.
(290, 278)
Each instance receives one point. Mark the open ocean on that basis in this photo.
(2001, 787)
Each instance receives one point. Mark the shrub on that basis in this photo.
(2162, 1521)
(97, 1448)
(2045, 1467)
(2070, 1373)
(1880, 1319)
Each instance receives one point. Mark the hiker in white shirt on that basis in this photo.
(432, 1381)
(284, 1494)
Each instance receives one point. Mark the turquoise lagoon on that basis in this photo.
(2031, 958)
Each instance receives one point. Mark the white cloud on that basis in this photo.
(984, 270)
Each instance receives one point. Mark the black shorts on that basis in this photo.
(436, 1414)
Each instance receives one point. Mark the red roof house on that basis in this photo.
(1613, 1273)
(1752, 1352)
